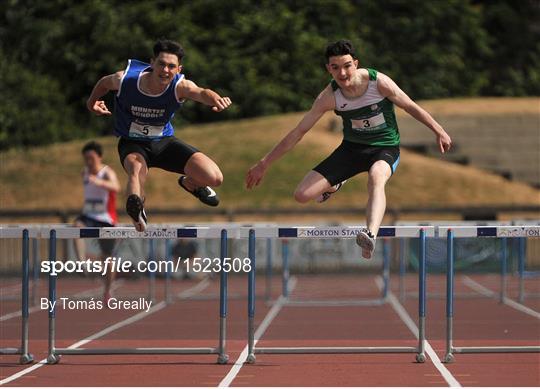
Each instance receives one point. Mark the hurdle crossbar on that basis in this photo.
(342, 232)
(55, 353)
(503, 232)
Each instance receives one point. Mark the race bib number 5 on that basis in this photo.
(376, 122)
(137, 130)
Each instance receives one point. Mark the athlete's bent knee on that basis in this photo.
(214, 179)
(218, 178)
(301, 196)
(133, 164)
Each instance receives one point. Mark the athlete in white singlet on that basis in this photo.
(99, 210)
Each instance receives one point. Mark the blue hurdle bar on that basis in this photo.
(35, 270)
(54, 353)
(293, 233)
(502, 232)
(24, 235)
(268, 286)
(356, 302)
(251, 297)
(169, 258)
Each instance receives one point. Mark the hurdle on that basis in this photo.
(343, 232)
(232, 228)
(345, 302)
(522, 273)
(403, 294)
(25, 234)
(54, 353)
(503, 232)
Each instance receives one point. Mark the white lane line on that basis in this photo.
(83, 294)
(12, 315)
(511, 303)
(199, 287)
(276, 307)
(478, 287)
(402, 313)
(105, 331)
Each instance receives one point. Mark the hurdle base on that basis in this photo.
(53, 359)
(441, 296)
(26, 359)
(336, 303)
(137, 351)
(10, 351)
(222, 359)
(334, 350)
(496, 349)
(251, 359)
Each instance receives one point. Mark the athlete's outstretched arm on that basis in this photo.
(324, 102)
(187, 89)
(102, 87)
(392, 91)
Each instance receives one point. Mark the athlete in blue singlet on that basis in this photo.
(147, 97)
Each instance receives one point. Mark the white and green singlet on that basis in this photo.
(368, 119)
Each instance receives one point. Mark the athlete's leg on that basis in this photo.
(378, 175)
(311, 187)
(137, 170)
(201, 171)
(80, 245)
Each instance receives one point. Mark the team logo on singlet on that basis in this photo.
(374, 107)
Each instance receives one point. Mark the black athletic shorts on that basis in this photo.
(106, 245)
(351, 158)
(167, 153)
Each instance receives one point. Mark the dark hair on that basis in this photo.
(341, 47)
(93, 146)
(168, 46)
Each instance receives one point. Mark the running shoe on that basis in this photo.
(205, 194)
(366, 240)
(135, 210)
(326, 195)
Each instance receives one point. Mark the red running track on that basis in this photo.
(193, 323)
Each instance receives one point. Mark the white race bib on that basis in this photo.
(369, 124)
(137, 130)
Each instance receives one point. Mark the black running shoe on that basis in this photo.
(204, 193)
(326, 195)
(135, 209)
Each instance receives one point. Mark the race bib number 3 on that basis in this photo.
(137, 130)
(376, 122)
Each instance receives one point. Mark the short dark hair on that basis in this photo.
(93, 146)
(341, 47)
(168, 46)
